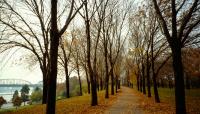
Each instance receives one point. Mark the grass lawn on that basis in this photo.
(167, 105)
(74, 105)
(192, 98)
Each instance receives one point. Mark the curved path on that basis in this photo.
(126, 103)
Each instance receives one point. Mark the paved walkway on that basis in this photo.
(126, 103)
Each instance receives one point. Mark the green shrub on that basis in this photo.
(36, 95)
(2, 101)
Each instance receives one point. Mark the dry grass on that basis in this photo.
(75, 105)
(167, 105)
(81, 105)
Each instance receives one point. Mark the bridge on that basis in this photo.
(17, 83)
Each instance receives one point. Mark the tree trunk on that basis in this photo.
(156, 95)
(158, 84)
(143, 80)
(44, 91)
(119, 84)
(179, 80)
(112, 82)
(175, 45)
(51, 98)
(79, 77)
(66, 71)
(169, 84)
(116, 84)
(101, 84)
(107, 86)
(45, 87)
(148, 76)
(94, 100)
(67, 84)
(54, 36)
(138, 84)
(162, 83)
(148, 85)
(67, 80)
(80, 83)
(141, 83)
(107, 76)
(45, 73)
(187, 82)
(88, 81)
(94, 92)
(97, 80)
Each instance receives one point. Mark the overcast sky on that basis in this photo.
(12, 68)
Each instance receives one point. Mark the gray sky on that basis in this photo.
(12, 68)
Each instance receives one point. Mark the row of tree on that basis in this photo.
(157, 29)
(160, 29)
(95, 48)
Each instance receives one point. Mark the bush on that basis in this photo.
(2, 101)
(36, 95)
(17, 101)
(15, 95)
(24, 93)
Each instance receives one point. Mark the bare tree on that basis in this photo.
(178, 28)
(55, 36)
(92, 74)
(21, 32)
(147, 44)
(64, 57)
(76, 57)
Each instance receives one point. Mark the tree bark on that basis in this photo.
(51, 98)
(44, 91)
(112, 82)
(94, 100)
(88, 81)
(107, 76)
(45, 86)
(79, 77)
(116, 84)
(148, 76)
(66, 71)
(141, 83)
(54, 36)
(101, 83)
(156, 95)
(143, 80)
(179, 81)
(80, 83)
(119, 84)
(187, 82)
(155, 87)
(176, 45)
(67, 83)
(177, 61)
(138, 83)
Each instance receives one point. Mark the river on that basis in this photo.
(7, 94)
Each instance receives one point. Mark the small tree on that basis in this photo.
(16, 94)
(17, 101)
(36, 95)
(2, 101)
(24, 93)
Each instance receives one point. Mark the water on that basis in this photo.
(7, 94)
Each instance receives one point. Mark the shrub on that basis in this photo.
(36, 95)
(2, 101)
(17, 101)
